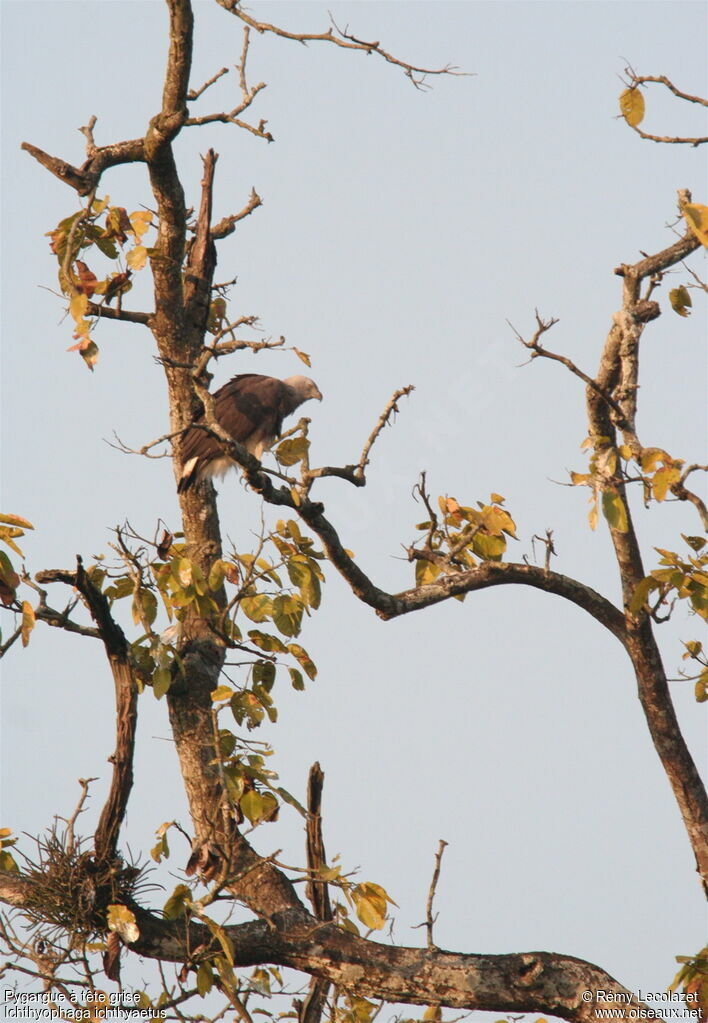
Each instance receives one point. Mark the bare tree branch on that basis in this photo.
(635, 80)
(342, 38)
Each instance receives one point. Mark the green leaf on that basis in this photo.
(302, 656)
(161, 682)
(680, 301)
(205, 979)
(287, 614)
(264, 674)
(7, 862)
(296, 679)
(490, 548)
(217, 574)
(144, 606)
(264, 641)
(641, 593)
(258, 608)
(614, 510)
(303, 574)
(252, 805)
(177, 904)
(702, 687)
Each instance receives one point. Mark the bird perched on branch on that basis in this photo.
(251, 409)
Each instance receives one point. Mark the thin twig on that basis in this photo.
(356, 474)
(196, 93)
(429, 919)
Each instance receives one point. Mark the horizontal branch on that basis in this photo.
(106, 312)
(661, 261)
(84, 179)
(342, 38)
(544, 982)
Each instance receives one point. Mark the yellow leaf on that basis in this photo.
(425, 572)
(632, 106)
(370, 901)
(496, 499)
(663, 478)
(221, 693)
(580, 479)
(137, 257)
(697, 219)
(651, 457)
(304, 659)
(292, 451)
(122, 921)
(614, 510)
(28, 621)
(140, 222)
(303, 356)
(680, 301)
(498, 521)
(592, 514)
(16, 520)
(184, 571)
(490, 548)
(78, 307)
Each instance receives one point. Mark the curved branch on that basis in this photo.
(106, 312)
(544, 982)
(117, 652)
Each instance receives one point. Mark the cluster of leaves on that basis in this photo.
(107, 229)
(368, 900)
(11, 528)
(692, 978)
(174, 581)
(683, 576)
(463, 536)
(658, 472)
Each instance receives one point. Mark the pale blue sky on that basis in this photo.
(400, 230)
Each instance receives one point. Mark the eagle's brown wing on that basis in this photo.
(250, 408)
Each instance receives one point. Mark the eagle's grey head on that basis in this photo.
(302, 389)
